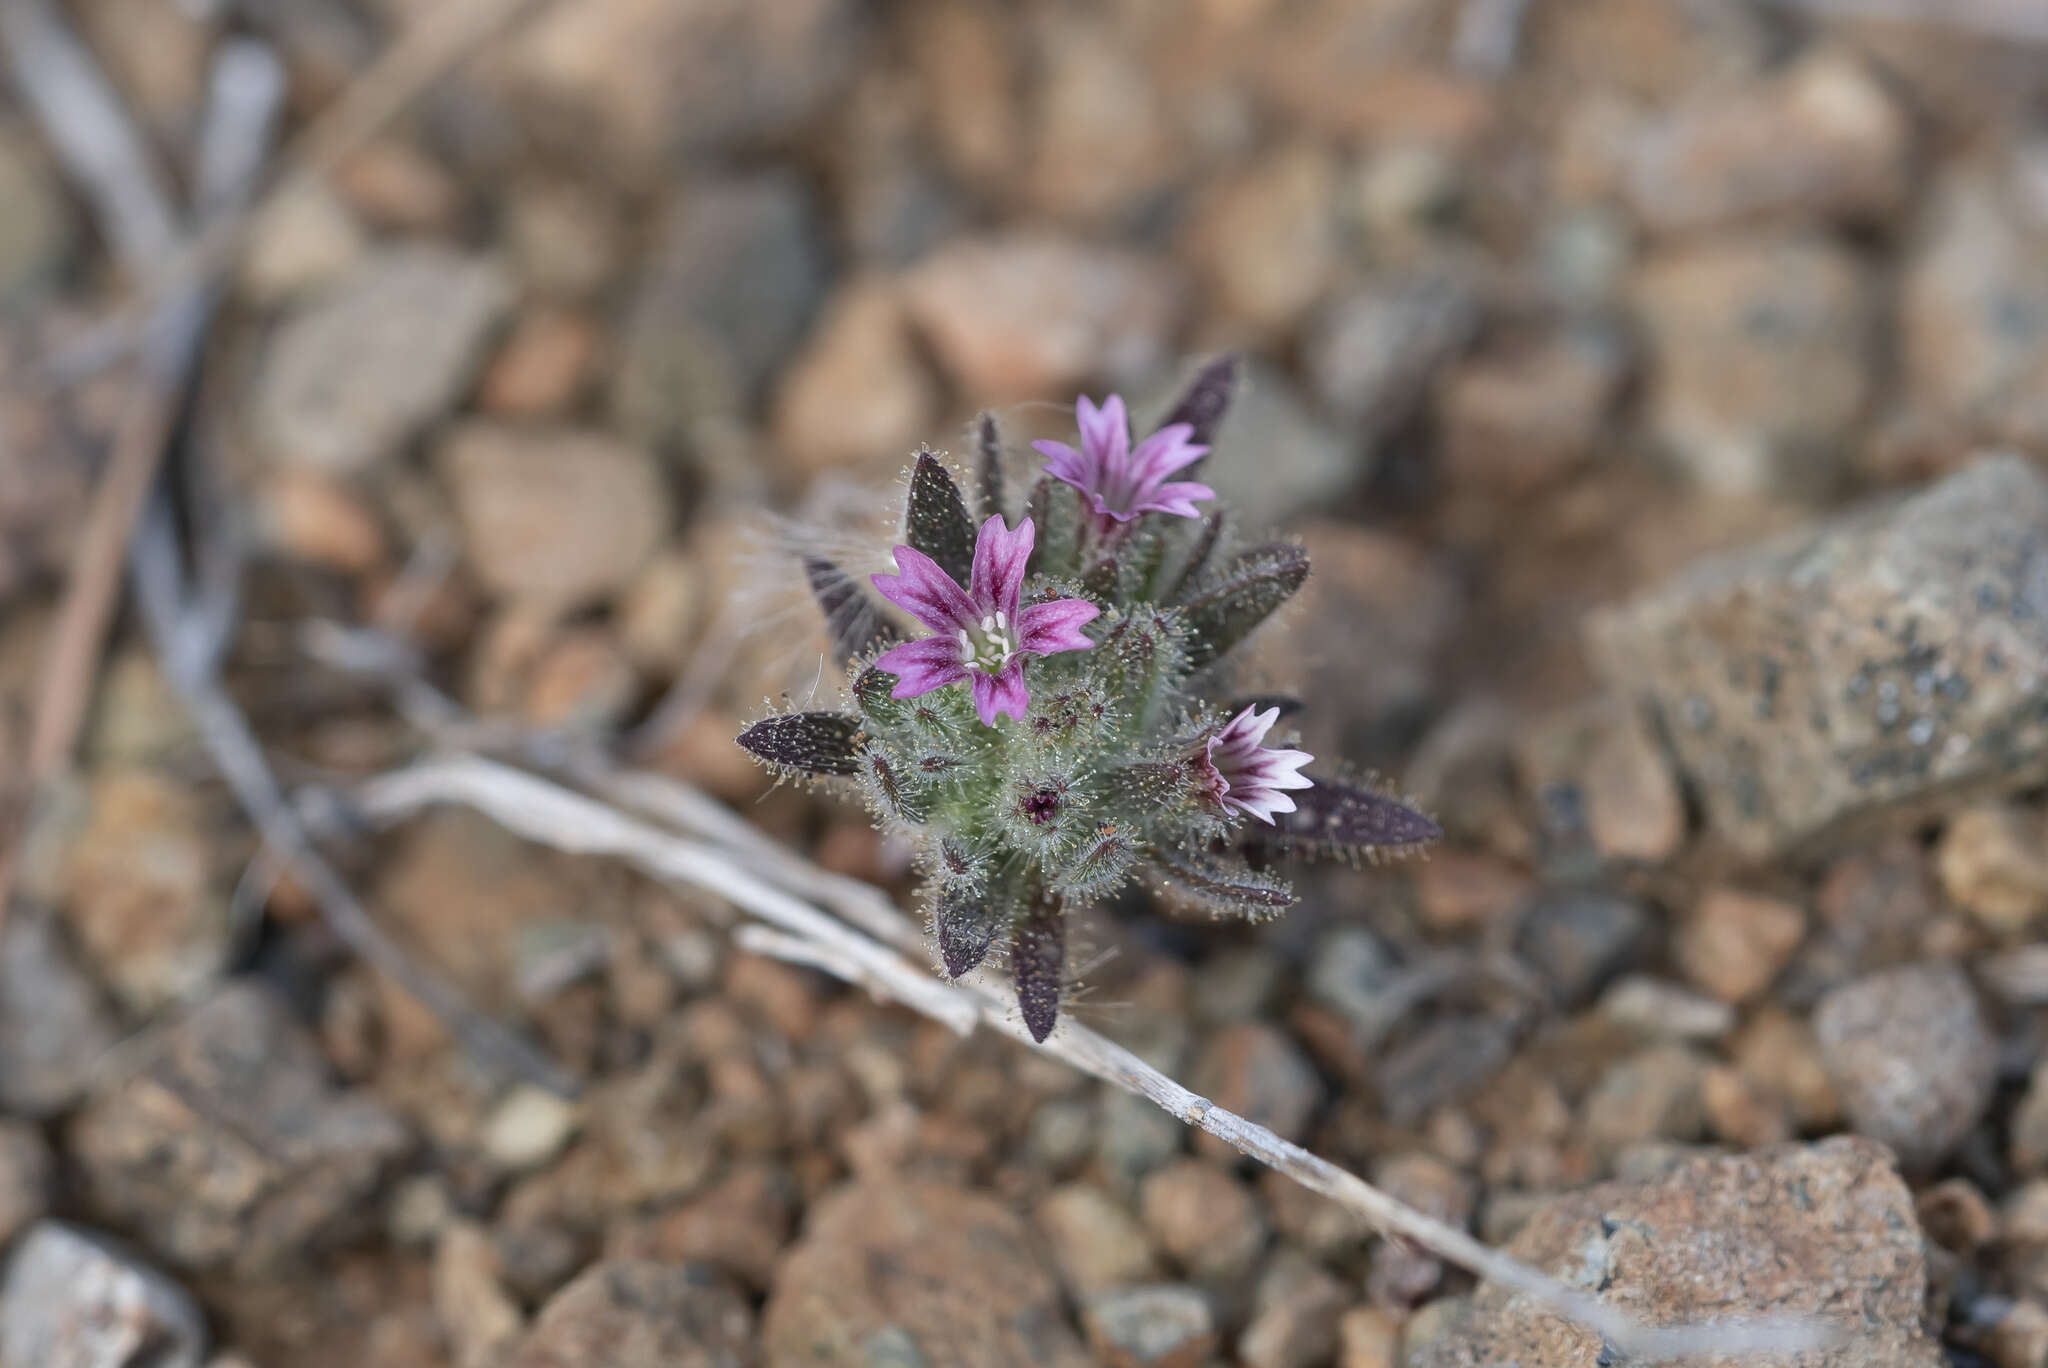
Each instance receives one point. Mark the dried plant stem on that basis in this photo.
(802, 934)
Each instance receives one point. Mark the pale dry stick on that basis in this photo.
(2024, 21)
(541, 811)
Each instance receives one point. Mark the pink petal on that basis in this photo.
(1105, 431)
(1002, 692)
(1261, 806)
(1064, 463)
(926, 592)
(1000, 556)
(1049, 628)
(1164, 452)
(1248, 728)
(921, 666)
(1177, 498)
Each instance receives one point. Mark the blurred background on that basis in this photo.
(1659, 386)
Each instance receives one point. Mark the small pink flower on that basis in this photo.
(1243, 775)
(980, 636)
(1121, 483)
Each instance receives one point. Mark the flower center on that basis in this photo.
(988, 645)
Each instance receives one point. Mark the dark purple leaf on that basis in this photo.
(857, 625)
(813, 742)
(1243, 595)
(1203, 404)
(1219, 885)
(935, 521)
(964, 926)
(988, 443)
(1038, 964)
(1345, 817)
(1199, 556)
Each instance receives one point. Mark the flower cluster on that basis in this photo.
(1062, 728)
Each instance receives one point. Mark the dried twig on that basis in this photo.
(2024, 21)
(544, 812)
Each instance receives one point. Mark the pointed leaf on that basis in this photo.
(1101, 864)
(964, 925)
(1345, 818)
(988, 443)
(1038, 964)
(812, 742)
(895, 793)
(1152, 786)
(1057, 511)
(1242, 596)
(871, 690)
(857, 625)
(1203, 404)
(935, 521)
(1199, 556)
(1219, 885)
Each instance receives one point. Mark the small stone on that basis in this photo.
(1994, 864)
(658, 615)
(528, 1127)
(1741, 1111)
(1874, 906)
(1296, 1322)
(2019, 1339)
(1920, 633)
(1105, 144)
(1372, 355)
(583, 682)
(420, 1208)
(857, 397)
(1973, 306)
(627, 1314)
(564, 240)
(1098, 1245)
(1955, 1215)
(1326, 1229)
(225, 1145)
(1788, 1231)
(542, 367)
(1167, 1326)
(1134, 1137)
(1777, 1051)
(2029, 1127)
(1369, 1337)
(302, 239)
(139, 721)
(1578, 939)
(72, 1299)
(1597, 765)
(54, 1028)
(362, 367)
(35, 224)
(316, 519)
(942, 1274)
(1030, 315)
(475, 1312)
(1257, 1071)
(1822, 139)
(1665, 1011)
(1463, 891)
(1444, 1062)
(1237, 985)
(740, 1225)
(26, 1170)
(1763, 359)
(143, 898)
(1265, 242)
(1349, 972)
(395, 186)
(1516, 421)
(1400, 1274)
(1736, 943)
(1205, 1220)
(1910, 1053)
(1653, 1094)
(559, 518)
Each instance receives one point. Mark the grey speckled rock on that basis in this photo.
(1824, 1229)
(1912, 1057)
(628, 1314)
(71, 1300)
(1882, 659)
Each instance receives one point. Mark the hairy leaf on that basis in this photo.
(897, 793)
(1242, 596)
(1102, 580)
(1038, 964)
(857, 625)
(813, 742)
(935, 520)
(1057, 510)
(988, 445)
(1101, 863)
(1151, 786)
(1203, 404)
(1345, 818)
(1219, 885)
(965, 925)
(1207, 539)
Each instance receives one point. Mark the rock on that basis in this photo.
(1277, 457)
(541, 369)
(1098, 1245)
(582, 682)
(1104, 144)
(737, 273)
(1955, 1215)
(1822, 139)
(1973, 308)
(1028, 314)
(627, 1314)
(26, 1170)
(1912, 1057)
(1867, 664)
(1236, 985)
(2028, 1145)
(1349, 971)
(54, 1028)
(931, 1273)
(1257, 1071)
(1265, 241)
(1578, 939)
(225, 1144)
(1735, 943)
(1597, 761)
(395, 186)
(1401, 1274)
(1777, 1051)
(1372, 355)
(638, 82)
(1517, 420)
(740, 1225)
(1994, 865)
(1796, 1230)
(319, 520)
(478, 1316)
(1295, 1324)
(564, 240)
(361, 368)
(1134, 1137)
(1665, 1011)
(1062, 1134)
(143, 899)
(1875, 907)
(72, 1299)
(658, 616)
(857, 398)
(528, 1127)
(1167, 1326)
(1442, 1063)
(1368, 1337)
(2019, 1337)
(1653, 1094)
(1460, 890)
(1310, 1220)
(35, 228)
(1205, 1220)
(1741, 1111)
(559, 518)
(302, 239)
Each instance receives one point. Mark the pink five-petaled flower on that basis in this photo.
(1244, 775)
(1119, 482)
(978, 633)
